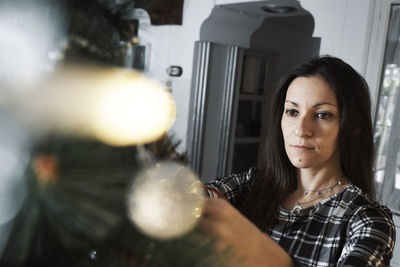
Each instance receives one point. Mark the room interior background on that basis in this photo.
(358, 31)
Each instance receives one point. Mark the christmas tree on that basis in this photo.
(96, 178)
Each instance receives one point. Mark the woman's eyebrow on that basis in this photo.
(314, 106)
(324, 103)
(291, 102)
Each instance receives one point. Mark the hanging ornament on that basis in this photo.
(45, 167)
(165, 200)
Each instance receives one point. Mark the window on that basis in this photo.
(387, 119)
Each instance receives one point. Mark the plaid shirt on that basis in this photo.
(346, 229)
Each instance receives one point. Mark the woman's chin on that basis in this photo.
(301, 163)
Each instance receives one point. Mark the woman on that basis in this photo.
(313, 203)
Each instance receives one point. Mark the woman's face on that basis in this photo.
(310, 123)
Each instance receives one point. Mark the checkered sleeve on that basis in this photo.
(370, 239)
(233, 187)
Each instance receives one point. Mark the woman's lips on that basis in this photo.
(303, 147)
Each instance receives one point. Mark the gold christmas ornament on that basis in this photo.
(166, 200)
(114, 105)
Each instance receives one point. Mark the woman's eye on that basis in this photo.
(291, 112)
(324, 115)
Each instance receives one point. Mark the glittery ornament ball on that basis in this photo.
(165, 200)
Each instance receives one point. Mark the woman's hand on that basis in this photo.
(250, 246)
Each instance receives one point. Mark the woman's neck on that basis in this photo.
(318, 179)
(314, 186)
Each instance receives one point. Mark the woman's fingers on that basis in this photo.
(214, 219)
(232, 230)
(218, 209)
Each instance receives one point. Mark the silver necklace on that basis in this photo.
(319, 192)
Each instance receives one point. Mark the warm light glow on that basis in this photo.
(132, 110)
(114, 105)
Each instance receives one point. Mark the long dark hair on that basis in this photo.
(278, 178)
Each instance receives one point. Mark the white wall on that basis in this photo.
(174, 45)
(343, 25)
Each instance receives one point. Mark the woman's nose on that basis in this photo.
(303, 127)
